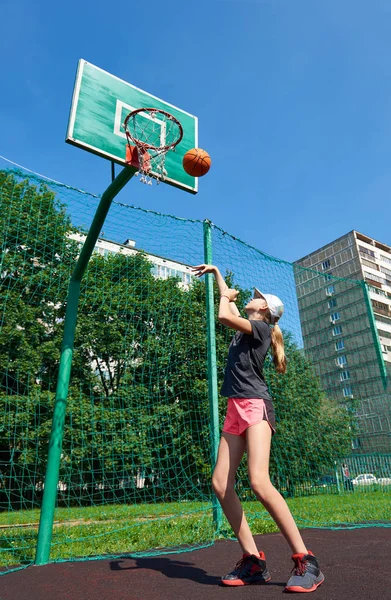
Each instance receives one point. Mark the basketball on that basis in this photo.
(196, 162)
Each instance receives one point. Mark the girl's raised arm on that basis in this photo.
(223, 287)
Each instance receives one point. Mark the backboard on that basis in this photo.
(99, 106)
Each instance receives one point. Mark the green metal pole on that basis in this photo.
(337, 477)
(55, 444)
(375, 335)
(212, 366)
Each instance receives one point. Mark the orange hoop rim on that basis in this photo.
(139, 143)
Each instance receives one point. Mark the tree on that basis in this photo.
(36, 258)
(312, 430)
(138, 399)
(147, 338)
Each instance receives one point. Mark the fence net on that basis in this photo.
(136, 457)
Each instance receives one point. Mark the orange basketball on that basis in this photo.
(196, 162)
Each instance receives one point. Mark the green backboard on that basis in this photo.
(99, 106)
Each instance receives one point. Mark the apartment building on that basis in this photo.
(344, 297)
(162, 267)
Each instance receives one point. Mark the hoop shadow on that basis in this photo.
(173, 569)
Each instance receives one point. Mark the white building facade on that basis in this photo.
(346, 326)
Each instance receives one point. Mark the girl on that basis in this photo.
(249, 425)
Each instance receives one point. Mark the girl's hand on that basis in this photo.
(231, 294)
(200, 270)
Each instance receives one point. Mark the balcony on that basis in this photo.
(381, 311)
(368, 257)
(372, 282)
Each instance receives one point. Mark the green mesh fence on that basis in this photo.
(137, 451)
(341, 339)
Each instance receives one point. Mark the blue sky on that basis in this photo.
(293, 100)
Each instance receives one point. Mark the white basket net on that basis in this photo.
(151, 133)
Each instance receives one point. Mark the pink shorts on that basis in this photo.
(244, 412)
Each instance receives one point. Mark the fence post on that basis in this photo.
(212, 365)
(375, 335)
(337, 467)
(45, 530)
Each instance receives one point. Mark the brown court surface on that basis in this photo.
(356, 564)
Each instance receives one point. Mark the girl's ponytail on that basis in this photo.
(277, 348)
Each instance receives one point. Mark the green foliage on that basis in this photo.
(138, 403)
(36, 257)
(312, 431)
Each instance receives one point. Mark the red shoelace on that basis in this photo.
(300, 566)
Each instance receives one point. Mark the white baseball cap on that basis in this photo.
(274, 304)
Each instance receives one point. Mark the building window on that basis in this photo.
(325, 265)
(341, 360)
(356, 444)
(163, 272)
(380, 319)
(386, 271)
(330, 290)
(340, 345)
(373, 277)
(332, 303)
(377, 291)
(367, 263)
(385, 259)
(382, 333)
(335, 317)
(366, 251)
(337, 330)
(347, 391)
(344, 375)
(380, 306)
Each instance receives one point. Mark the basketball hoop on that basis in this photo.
(151, 133)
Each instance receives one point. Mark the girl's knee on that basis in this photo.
(221, 486)
(261, 486)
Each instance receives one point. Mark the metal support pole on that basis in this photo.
(337, 466)
(212, 366)
(55, 444)
(375, 335)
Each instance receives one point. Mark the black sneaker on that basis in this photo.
(249, 570)
(306, 574)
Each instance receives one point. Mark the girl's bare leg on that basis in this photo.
(230, 454)
(258, 448)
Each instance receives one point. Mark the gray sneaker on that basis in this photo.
(306, 574)
(249, 570)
